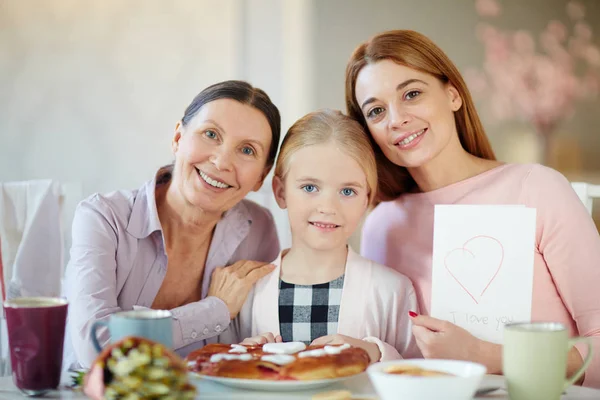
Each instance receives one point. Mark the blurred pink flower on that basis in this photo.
(558, 30)
(523, 42)
(485, 32)
(548, 41)
(539, 86)
(583, 31)
(576, 47)
(590, 85)
(487, 8)
(592, 55)
(476, 81)
(575, 10)
(497, 47)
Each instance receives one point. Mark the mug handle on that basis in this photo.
(93, 336)
(586, 362)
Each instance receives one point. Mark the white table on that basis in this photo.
(360, 387)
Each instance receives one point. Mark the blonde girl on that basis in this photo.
(321, 291)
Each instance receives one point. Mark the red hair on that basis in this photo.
(416, 51)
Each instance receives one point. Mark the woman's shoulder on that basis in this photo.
(114, 208)
(540, 183)
(383, 276)
(519, 183)
(553, 195)
(541, 175)
(384, 214)
(259, 215)
(119, 200)
(260, 242)
(530, 175)
(385, 218)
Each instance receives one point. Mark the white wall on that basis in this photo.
(90, 90)
(277, 56)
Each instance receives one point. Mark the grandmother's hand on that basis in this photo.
(233, 283)
(442, 339)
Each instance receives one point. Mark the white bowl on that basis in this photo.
(461, 386)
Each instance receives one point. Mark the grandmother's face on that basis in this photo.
(221, 154)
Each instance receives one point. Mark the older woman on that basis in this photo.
(432, 150)
(159, 246)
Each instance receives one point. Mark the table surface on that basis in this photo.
(360, 387)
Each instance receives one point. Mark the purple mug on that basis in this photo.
(36, 333)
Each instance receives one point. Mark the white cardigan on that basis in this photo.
(374, 307)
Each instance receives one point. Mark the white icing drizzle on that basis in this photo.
(312, 353)
(324, 351)
(236, 348)
(336, 349)
(191, 363)
(284, 348)
(279, 359)
(224, 356)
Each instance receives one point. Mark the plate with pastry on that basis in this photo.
(287, 366)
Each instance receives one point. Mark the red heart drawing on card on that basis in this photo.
(475, 265)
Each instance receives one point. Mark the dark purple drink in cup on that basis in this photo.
(36, 332)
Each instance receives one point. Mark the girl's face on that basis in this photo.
(409, 113)
(325, 192)
(221, 154)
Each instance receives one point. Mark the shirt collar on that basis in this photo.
(143, 220)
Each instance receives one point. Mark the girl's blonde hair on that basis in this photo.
(324, 126)
(413, 50)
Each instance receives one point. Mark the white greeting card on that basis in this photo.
(482, 276)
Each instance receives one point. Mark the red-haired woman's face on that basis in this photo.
(409, 113)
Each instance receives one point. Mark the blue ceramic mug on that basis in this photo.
(151, 324)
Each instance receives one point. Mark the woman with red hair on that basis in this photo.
(432, 149)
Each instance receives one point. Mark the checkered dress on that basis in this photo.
(307, 312)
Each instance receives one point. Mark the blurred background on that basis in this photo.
(91, 90)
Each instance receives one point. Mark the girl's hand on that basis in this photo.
(262, 339)
(443, 339)
(371, 348)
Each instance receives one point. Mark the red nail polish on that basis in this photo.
(413, 314)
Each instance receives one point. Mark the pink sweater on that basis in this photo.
(566, 286)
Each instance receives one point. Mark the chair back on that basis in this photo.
(587, 193)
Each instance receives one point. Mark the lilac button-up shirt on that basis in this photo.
(118, 261)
